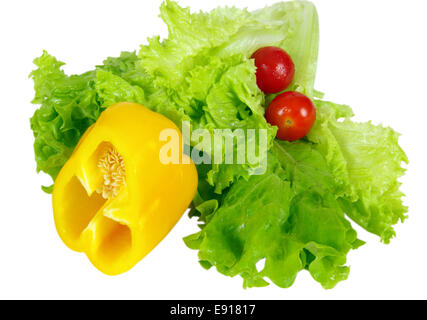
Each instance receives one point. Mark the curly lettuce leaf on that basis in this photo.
(366, 161)
(224, 32)
(292, 26)
(204, 66)
(112, 89)
(294, 216)
(233, 102)
(189, 36)
(68, 107)
(288, 216)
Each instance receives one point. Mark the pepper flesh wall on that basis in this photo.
(114, 199)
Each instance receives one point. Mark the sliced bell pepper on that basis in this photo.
(114, 199)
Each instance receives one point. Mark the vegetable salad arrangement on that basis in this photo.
(97, 136)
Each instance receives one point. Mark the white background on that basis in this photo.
(372, 57)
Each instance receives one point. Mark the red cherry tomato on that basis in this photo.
(293, 113)
(275, 69)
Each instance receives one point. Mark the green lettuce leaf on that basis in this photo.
(366, 161)
(225, 32)
(190, 35)
(204, 67)
(68, 107)
(232, 102)
(288, 216)
(292, 26)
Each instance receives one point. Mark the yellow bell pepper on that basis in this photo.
(114, 199)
